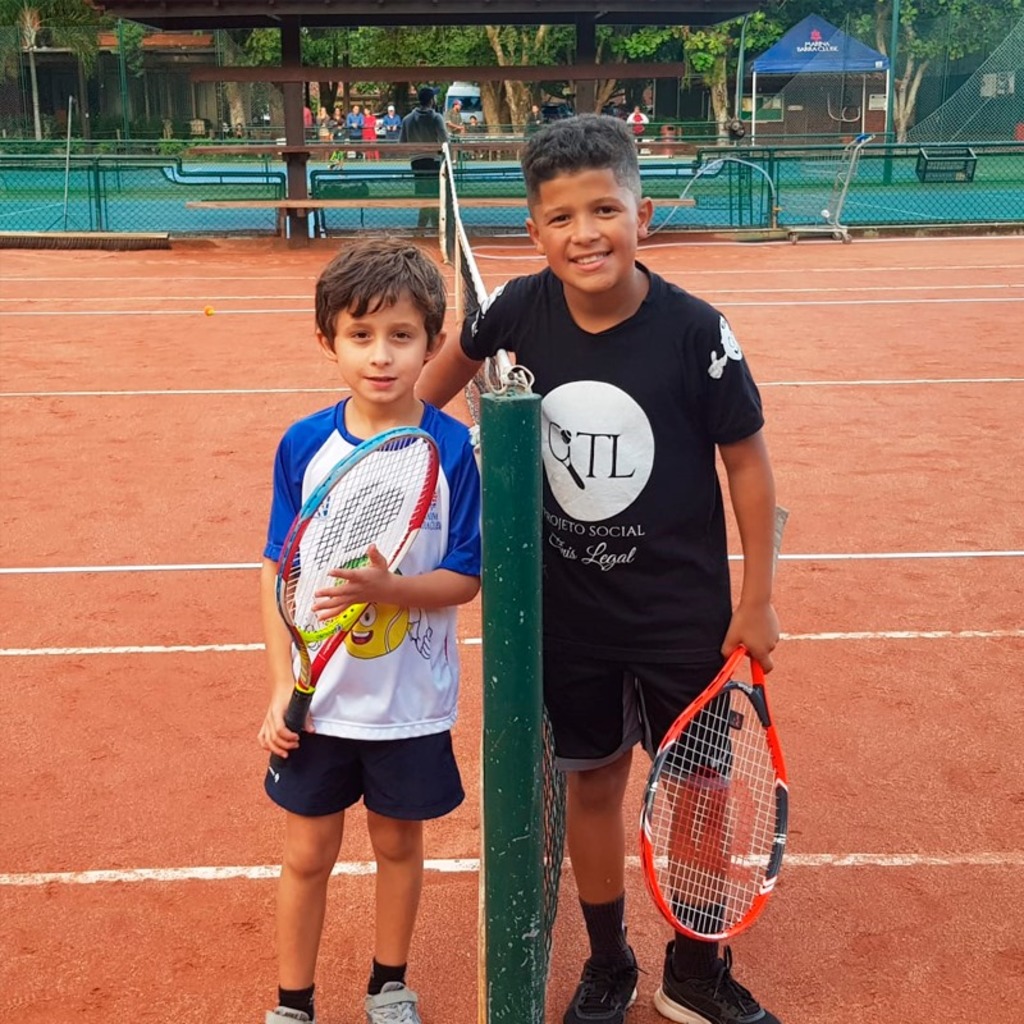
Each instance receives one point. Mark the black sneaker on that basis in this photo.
(604, 994)
(720, 999)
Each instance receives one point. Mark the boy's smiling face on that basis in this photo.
(587, 225)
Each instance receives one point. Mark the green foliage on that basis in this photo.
(64, 24)
(709, 50)
(132, 35)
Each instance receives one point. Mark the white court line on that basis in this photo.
(156, 279)
(157, 312)
(783, 303)
(868, 556)
(518, 253)
(208, 297)
(835, 289)
(475, 641)
(471, 865)
(171, 393)
(891, 382)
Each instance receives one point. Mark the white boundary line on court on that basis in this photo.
(175, 394)
(171, 393)
(868, 556)
(471, 865)
(834, 289)
(475, 641)
(307, 310)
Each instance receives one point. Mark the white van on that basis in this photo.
(468, 94)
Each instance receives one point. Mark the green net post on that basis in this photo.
(513, 960)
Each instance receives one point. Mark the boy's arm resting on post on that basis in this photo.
(446, 374)
(274, 735)
(752, 491)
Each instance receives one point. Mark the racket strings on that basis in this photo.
(378, 501)
(712, 823)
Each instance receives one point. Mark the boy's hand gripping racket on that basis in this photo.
(715, 812)
(378, 494)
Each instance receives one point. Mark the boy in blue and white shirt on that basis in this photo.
(380, 720)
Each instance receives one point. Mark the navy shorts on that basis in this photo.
(413, 779)
(599, 709)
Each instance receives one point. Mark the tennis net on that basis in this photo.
(509, 704)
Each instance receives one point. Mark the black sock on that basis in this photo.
(693, 958)
(606, 931)
(297, 999)
(381, 975)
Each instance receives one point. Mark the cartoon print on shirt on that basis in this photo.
(420, 633)
(717, 367)
(731, 348)
(382, 628)
(379, 631)
(484, 306)
(729, 342)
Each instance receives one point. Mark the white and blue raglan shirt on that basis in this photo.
(397, 673)
(635, 560)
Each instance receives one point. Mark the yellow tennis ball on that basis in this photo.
(209, 311)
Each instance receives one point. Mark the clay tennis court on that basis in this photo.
(138, 853)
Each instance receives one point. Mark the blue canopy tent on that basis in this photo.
(817, 47)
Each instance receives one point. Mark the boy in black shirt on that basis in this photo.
(642, 383)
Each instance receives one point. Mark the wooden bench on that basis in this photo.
(285, 207)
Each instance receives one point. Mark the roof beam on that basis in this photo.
(342, 13)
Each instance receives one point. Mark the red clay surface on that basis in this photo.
(901, 748)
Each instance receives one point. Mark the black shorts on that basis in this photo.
(599, 709)
(413, 779)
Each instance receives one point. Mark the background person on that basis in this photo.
(392, 124)
(638, 121)
(425, 124)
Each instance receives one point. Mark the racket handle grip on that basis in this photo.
(295, 718)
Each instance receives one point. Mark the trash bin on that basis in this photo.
(1018, 132)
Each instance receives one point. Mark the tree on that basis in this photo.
(933, 29)
(67, 24)
(713, 50)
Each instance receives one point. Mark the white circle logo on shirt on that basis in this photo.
(598, 449)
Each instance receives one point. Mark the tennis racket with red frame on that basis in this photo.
(379, 495)
(715, 812)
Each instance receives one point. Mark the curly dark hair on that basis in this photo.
(586, 142)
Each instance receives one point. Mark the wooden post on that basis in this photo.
(586, 53)
(295, 134)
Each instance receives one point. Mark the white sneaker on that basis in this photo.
(395, 1004)
(284, 1015)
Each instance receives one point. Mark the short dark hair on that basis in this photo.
(584, 142)
(375, 273)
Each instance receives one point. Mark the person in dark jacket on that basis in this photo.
(425, 125)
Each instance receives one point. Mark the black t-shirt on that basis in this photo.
(635, 562)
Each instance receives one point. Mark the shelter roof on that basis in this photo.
(816, 46)
(206, 14)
